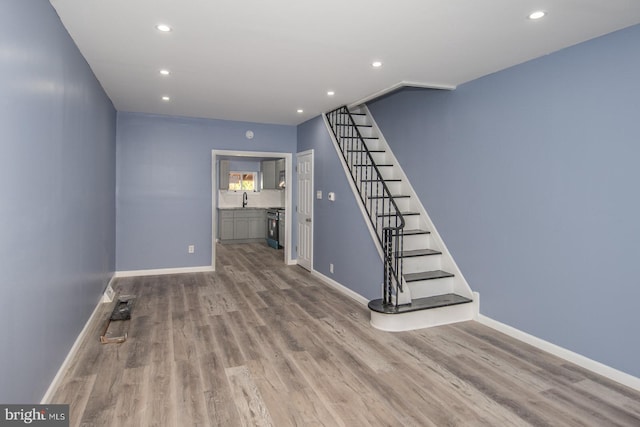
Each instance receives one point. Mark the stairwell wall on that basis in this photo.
(340, 233)
(530, 175)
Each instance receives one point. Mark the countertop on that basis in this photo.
(241, 208)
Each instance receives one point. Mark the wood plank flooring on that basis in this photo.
(258, 343)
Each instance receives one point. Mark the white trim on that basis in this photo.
(312, 195)
(214, 211)
(161, 271)
(55, 383)
(288, 195)
(341, 288)
(578, 359)
(400, 85)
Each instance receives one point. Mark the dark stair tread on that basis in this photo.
(364, 151)
(358, 137)
(380, 180)
(426, 275)
(403, 214)
(418, 252)
(371, 165)
(348, 125)
(415, 232)
(399, 196)
(417, 304)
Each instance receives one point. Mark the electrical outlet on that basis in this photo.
(331, 268)
(191, 249)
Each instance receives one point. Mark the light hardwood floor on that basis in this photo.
(258, 343)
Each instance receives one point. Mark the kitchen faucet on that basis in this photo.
(245, 202)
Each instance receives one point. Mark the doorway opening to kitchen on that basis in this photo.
(225, 199)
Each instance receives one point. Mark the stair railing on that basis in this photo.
(383, 212)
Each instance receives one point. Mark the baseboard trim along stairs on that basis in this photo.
(422, 286)
(568, 355)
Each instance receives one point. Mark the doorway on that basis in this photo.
(215, 156)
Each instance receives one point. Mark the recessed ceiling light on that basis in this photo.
(537, 14)
(331, 93)
(165, 72)
(163, 27)
(376, 64)
(166, 98)
(300, 111)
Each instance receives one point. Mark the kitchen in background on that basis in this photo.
(251, 200)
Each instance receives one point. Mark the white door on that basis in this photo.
(304, 167)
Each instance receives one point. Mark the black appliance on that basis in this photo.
(275, 239)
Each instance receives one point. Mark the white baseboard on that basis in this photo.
(341, 288)
(578, 359)
(53, 387)
(162, 271)
(568, 355)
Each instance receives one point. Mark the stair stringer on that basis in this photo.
(460, 285)
(404, 297)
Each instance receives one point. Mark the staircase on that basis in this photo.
(421, 285)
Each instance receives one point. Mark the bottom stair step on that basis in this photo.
(419, 304)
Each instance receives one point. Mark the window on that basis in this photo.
(242, 181)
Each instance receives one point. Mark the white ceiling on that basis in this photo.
(260, 60)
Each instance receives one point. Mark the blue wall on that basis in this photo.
(531, 177)
(164, 184)
(57, 209)
(340, 233)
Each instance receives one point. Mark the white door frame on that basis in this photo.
(304, 153)
(288, 200)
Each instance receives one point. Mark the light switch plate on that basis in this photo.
(319, 194)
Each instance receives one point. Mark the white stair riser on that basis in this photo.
(403, 204)
(422, 263)
(361, 120)
(380, 158)
(388, 173)
(418, 241)
(422, 319)
(365, 132)
(377, 187)
(374, 144)
(429, 288)
(394, 187)
(411, 222)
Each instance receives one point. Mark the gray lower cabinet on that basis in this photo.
(241, 224)
(226, 225)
